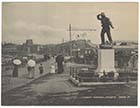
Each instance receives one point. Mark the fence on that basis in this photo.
(86, 74)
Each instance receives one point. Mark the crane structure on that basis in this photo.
(76, 29)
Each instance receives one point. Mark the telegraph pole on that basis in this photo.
(70, 36)
(70, 32)
(70, 40)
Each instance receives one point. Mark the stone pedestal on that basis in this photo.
(106, 62)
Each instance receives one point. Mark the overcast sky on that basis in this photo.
(47, 23)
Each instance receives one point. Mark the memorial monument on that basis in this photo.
(106, 53)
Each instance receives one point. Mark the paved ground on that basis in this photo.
(56, 89)
(9, 82)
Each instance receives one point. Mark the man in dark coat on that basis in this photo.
(106, 24)
(59, 61)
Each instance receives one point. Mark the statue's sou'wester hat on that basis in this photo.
(102, 13)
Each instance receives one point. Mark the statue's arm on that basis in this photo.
(99, 17)
(110, 23)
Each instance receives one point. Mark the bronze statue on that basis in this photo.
(106, 24)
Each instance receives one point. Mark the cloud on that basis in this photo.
(21, 30)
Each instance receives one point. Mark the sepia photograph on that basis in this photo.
(69, 54)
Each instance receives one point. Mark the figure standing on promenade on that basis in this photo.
(59, 61)
(31, 68)
(41, 69)
(16, 63)
(15, 71)
(52, 65)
